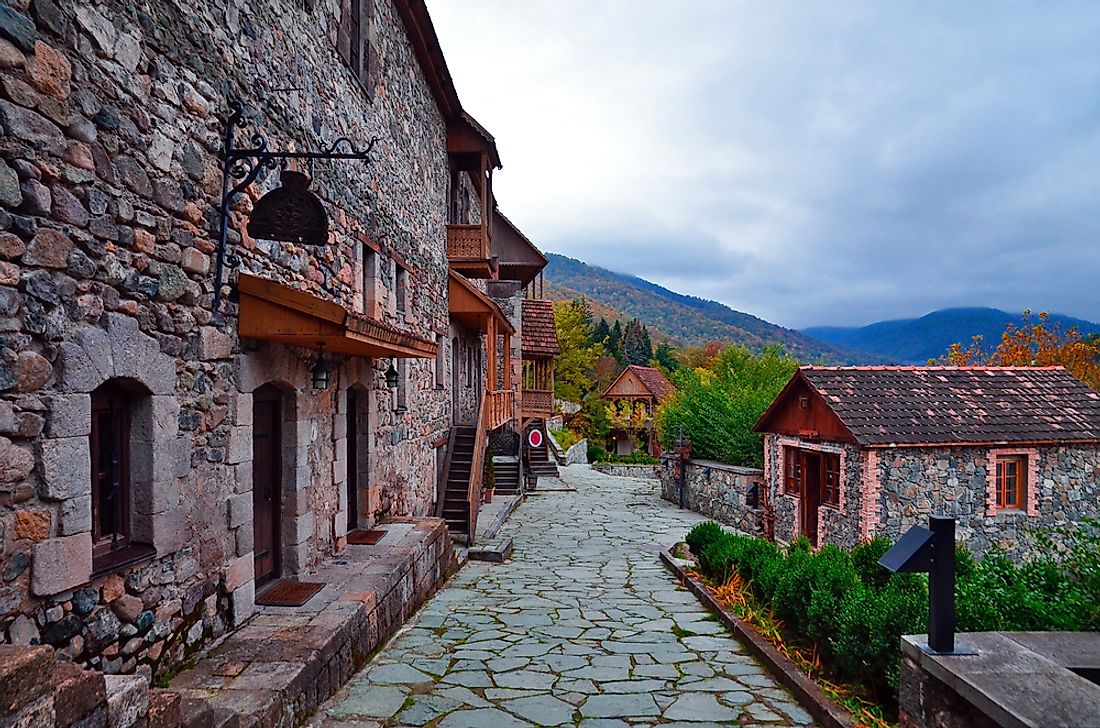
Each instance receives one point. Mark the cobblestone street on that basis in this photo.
(583, 626)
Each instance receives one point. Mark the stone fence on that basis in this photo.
(623, 470)
(716, 490)
(577, 453)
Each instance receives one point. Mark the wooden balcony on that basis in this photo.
(537, 404)
(468, 250)
(500, 408)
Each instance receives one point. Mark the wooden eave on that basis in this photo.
(517, 257)
(272, 311)
(785, 400)
(472, 307)
(466, 136)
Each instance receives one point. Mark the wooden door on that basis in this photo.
(267, 467)
(811, 494)
(353, 459)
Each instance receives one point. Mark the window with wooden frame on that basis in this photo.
(354, 45)
(370, 281)
(830, 488)
(401, 284)
(792, 471)
(1011, 482)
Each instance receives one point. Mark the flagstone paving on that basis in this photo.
(583, 626)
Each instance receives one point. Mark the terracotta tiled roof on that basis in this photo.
(909, 405)
(540, 336)
(654, 381)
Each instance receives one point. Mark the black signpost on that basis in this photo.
(932, 550)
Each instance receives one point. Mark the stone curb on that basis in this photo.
(492, 531)
(805, 690)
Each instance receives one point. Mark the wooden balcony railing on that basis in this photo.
(467, 242)
(500, 407)
(537, 403)
(473, 493)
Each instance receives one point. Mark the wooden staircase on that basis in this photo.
(454, 505)
(541, 461)
(507, 472)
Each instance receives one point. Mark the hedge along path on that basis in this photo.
(584, 626)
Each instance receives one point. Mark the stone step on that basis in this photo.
(127, 700)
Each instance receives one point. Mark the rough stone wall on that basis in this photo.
(466, 345)
(714, 489)
(109, 188)
(836, 524)
(1064, 488)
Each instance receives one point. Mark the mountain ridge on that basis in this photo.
(916, 340)
(681, 319)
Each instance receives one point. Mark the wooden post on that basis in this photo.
(491, 359)
(507, 360)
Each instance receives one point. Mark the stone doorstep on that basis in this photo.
(496, 552)
(498, 516)
(279, 667)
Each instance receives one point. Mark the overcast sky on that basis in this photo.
(806, 162)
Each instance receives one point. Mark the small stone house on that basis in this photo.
(851, 453)
(638, 386)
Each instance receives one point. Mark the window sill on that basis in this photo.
(120, 559)
(400, 410)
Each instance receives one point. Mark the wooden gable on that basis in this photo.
(629, 384)
(800, 411)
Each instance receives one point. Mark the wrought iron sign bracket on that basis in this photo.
(240, 168)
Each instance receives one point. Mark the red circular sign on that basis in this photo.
(534, 438)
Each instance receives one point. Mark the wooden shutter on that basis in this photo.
(343, 32)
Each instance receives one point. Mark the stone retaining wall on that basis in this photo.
(716, 490)
(577, 453)
(647, 472)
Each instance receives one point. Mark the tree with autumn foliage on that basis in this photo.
(629, 417)
(1037, 342)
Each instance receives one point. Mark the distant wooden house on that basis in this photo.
(855, 452)
(638, 385)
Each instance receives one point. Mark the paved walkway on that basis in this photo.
(583, 626)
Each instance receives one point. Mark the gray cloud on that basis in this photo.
(831, 163)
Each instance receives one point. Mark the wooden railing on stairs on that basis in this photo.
(501, 406)
(473, 494)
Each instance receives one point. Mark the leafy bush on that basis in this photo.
(865, 560)
(566, 438)
(596, 453)
(702, 535)
(855, 611)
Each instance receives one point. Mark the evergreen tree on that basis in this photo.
(600, 332)
(615, 343)
(636, 346)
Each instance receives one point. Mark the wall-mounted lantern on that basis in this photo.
(321, 369)
(391, 376)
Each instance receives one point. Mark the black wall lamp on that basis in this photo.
(291, 212)
(321, 369)
(391, 376)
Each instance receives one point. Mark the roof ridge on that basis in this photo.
(936, 368)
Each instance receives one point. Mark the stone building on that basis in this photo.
(162, 458)
(855, 452)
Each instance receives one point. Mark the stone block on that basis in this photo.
(50, 71)
(242, 603)
(78, 693)
(162, 422)
(86, 362)
(127, 700)
(76, 515)
(242, 409)
(339, 471)
(238, 449)
(165, 709)
(68, 415)
(61, 563)
(303, 477)
(239, 571)
(32, 525)
(239, 509)
(340, 523)
(65, 467)
(16, 463)
(25, 674)
(49, 248)
(213, 344)
(195, 261)
(243, 539)
(242, 477)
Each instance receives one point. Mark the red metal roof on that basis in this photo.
(937, 405)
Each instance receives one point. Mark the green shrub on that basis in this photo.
(717, 559)
(703, 535)
(596, 453)
(832, 579)
(865, 560)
